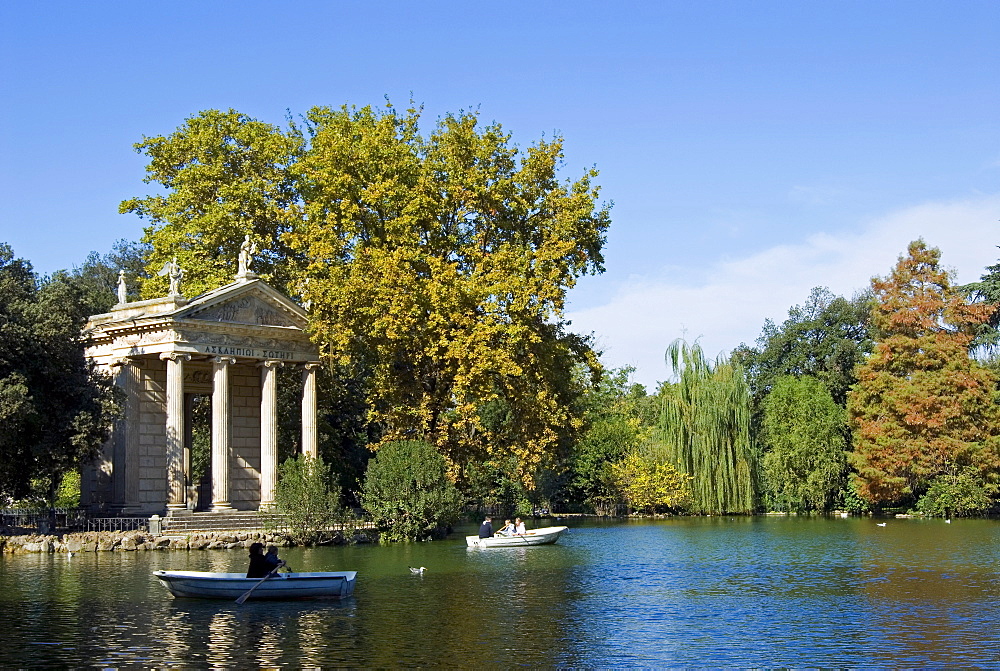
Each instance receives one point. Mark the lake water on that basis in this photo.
(764, 591)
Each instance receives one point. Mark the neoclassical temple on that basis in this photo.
(227, 344)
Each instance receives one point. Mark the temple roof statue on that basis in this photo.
(122, 288)
(247, 250)
(174, 272)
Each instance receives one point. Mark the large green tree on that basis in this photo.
(987, 290)
(225, 176)
(826, 337)
(97, 278)
(804, 435)
(442, 262)
(705, 430)
(922, 406)
(618, 419)
(436, 265)
(55, 411)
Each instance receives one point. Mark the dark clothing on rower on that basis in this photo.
(486, 529)
(259, 566)
(272, 559)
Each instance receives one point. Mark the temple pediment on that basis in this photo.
(252, 310)
(245, 319)
(252, 303)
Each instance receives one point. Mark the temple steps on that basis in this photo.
(235, 520)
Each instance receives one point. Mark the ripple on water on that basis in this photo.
(685, 592)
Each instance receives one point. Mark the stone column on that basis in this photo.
(220, 432)
(310, 435)
(176, 491)
(268, 431)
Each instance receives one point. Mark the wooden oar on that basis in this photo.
(249, 591)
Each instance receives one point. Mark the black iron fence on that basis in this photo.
(117, 524)
(53, 520)
(278, 523)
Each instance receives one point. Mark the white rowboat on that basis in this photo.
(543, 536)
(209, 585)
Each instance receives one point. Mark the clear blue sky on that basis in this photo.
(752, 149)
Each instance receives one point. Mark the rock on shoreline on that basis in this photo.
(132, 541)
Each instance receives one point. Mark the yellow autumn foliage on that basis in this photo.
(441, 264)
(436, 267)
(649, 484)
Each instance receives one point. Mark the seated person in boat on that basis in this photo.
(272, 557)
(508, 529)
(519, 526)
(486, 528)
(259, 566)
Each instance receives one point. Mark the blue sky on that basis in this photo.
(753, 150)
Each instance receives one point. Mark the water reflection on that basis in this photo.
(927, 586)
(686, 592)
(176, 633)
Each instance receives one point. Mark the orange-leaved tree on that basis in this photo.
(922, 406)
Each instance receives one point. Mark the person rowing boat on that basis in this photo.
(259, 565)
(272, 558)
(486, 528)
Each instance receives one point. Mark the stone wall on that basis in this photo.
(152, 485)
(244, 437)
(132, 541)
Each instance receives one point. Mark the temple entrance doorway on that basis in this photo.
(200, 450)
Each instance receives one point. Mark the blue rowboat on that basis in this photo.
(209, 585)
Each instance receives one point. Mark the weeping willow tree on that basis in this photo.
(704, 429)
